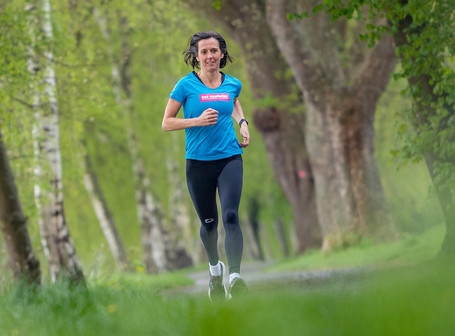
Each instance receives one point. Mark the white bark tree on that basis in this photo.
(56, 239)
(179, 216)
(158, 247)
(33, 68)
(104, 216)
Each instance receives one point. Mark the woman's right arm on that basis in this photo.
(172, 123)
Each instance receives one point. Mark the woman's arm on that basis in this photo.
(238, 115)
(172, 123)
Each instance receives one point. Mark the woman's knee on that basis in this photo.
(209, 225)
(230, 218)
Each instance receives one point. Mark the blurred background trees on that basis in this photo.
(325, 118)
(423, 35)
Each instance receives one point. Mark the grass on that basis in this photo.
(408, 250)
(417, 299)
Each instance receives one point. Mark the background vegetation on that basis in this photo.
(91, 122)
(412, 301)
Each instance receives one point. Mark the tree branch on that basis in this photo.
(375, 72)
(31, 106)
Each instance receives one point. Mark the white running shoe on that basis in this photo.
(217, 289)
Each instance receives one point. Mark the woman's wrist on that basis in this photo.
(243, 121)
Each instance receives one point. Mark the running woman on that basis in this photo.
(213, 153)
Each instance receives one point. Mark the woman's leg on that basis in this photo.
(230, 181)
(201, 180)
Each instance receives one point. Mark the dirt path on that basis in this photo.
(257, 278)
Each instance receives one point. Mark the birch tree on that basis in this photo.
(157, 245)
(63, 260)
(179, 216)
(103, 215)
(33, 68)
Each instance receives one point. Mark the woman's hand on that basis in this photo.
(208, 117)
(245, 134)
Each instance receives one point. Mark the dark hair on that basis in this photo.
(191, 52)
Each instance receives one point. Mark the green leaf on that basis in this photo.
(318, 8)
(217, 4)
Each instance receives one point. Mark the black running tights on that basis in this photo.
(203, 179)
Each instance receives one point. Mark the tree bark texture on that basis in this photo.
(62, 257)
(23, 262)
(423, 112)
(33, 68)
(104, 216)
(281, 122)
(341, 87)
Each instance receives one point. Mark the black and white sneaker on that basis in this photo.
(217, 289)
(238, 288)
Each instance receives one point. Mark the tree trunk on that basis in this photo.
(62, 257)
(23, 262)
(179, 216)
(340, 103)
(37, 129)
(157, 245)
(104, 216)
(253, 226)
(446, 200)
(154, 239)
(280, 122)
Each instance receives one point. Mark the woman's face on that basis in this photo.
(209, 54)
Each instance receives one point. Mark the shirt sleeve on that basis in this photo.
(178, 93)
(238, 89)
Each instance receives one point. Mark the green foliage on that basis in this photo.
(217, 4)
(412, 203)
(14, 40)
(292, 16)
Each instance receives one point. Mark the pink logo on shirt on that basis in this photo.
(208, 97)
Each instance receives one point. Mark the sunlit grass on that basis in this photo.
(414, 296)
(412, 301)
(411, 249)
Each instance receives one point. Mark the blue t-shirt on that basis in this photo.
(212, 142)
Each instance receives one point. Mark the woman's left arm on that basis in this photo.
(238, 115)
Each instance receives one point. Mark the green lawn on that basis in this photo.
(407, 250)
(416, 299)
